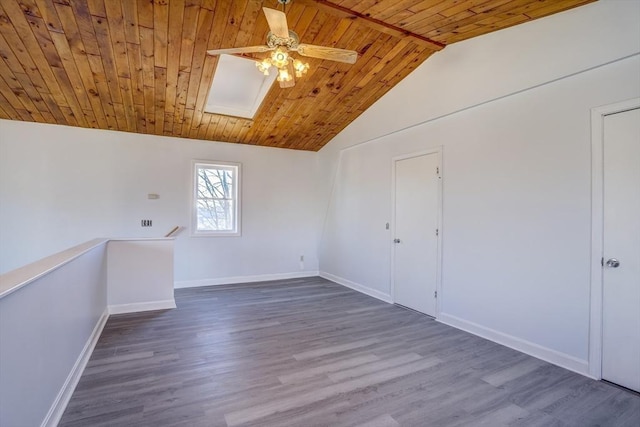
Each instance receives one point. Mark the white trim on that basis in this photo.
(237, 198)
(563, 360)
(13, 280)
(142, 306)
(139, 239)
(358, 287)
(597, 228)
(242, 279)
(64, 395)
(438, 151)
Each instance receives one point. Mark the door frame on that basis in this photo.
(438, 152)
(597, 228)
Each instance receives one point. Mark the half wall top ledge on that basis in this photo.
(141, 66)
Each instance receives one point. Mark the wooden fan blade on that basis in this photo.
(277, 22)
(330, 53)
(248, 49)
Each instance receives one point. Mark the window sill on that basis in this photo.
(216, 234)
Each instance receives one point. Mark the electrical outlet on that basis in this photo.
(145, 223)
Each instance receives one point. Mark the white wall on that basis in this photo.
(484, 68)
(52, 313)
(60, 186)
(140, 275)
(47, 331)
(511, 110)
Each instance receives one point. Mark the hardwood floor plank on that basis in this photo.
(328, 368)
(381, 421)
(280, 405)
(502, 376)
(334, 349)
(309, 352)
(371, 368)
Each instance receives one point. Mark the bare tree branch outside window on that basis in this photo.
(215, 197)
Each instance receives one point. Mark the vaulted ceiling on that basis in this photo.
(141, 65)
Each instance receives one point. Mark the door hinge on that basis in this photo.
(437, 232)
(435, 294)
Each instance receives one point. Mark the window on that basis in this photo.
(237, 88)
(216, 201)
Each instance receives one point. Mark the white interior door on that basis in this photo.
(621, 274)
(416, 223)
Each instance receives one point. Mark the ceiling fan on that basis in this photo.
(280, 42)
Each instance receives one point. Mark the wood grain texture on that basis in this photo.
(141, 65)
(309, 352)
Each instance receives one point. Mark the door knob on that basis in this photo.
(396, 240)
(613, 263)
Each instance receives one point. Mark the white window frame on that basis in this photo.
(237, 192)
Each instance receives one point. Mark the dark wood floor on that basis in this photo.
(308, 352)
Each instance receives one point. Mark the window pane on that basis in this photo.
(215, 215)
(215, 183)
(216, 201)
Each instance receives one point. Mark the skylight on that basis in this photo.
(238, 88)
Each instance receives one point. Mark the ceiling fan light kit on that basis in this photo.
(283, 62)
(281, 42)
(300, 67)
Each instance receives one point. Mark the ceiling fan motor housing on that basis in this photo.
(290, 42)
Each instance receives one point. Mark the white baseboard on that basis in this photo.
(548, 355)
(243, 279)
(358, 287)
(142, 306)
(64, 395)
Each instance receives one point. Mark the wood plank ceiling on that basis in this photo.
(140, 65)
